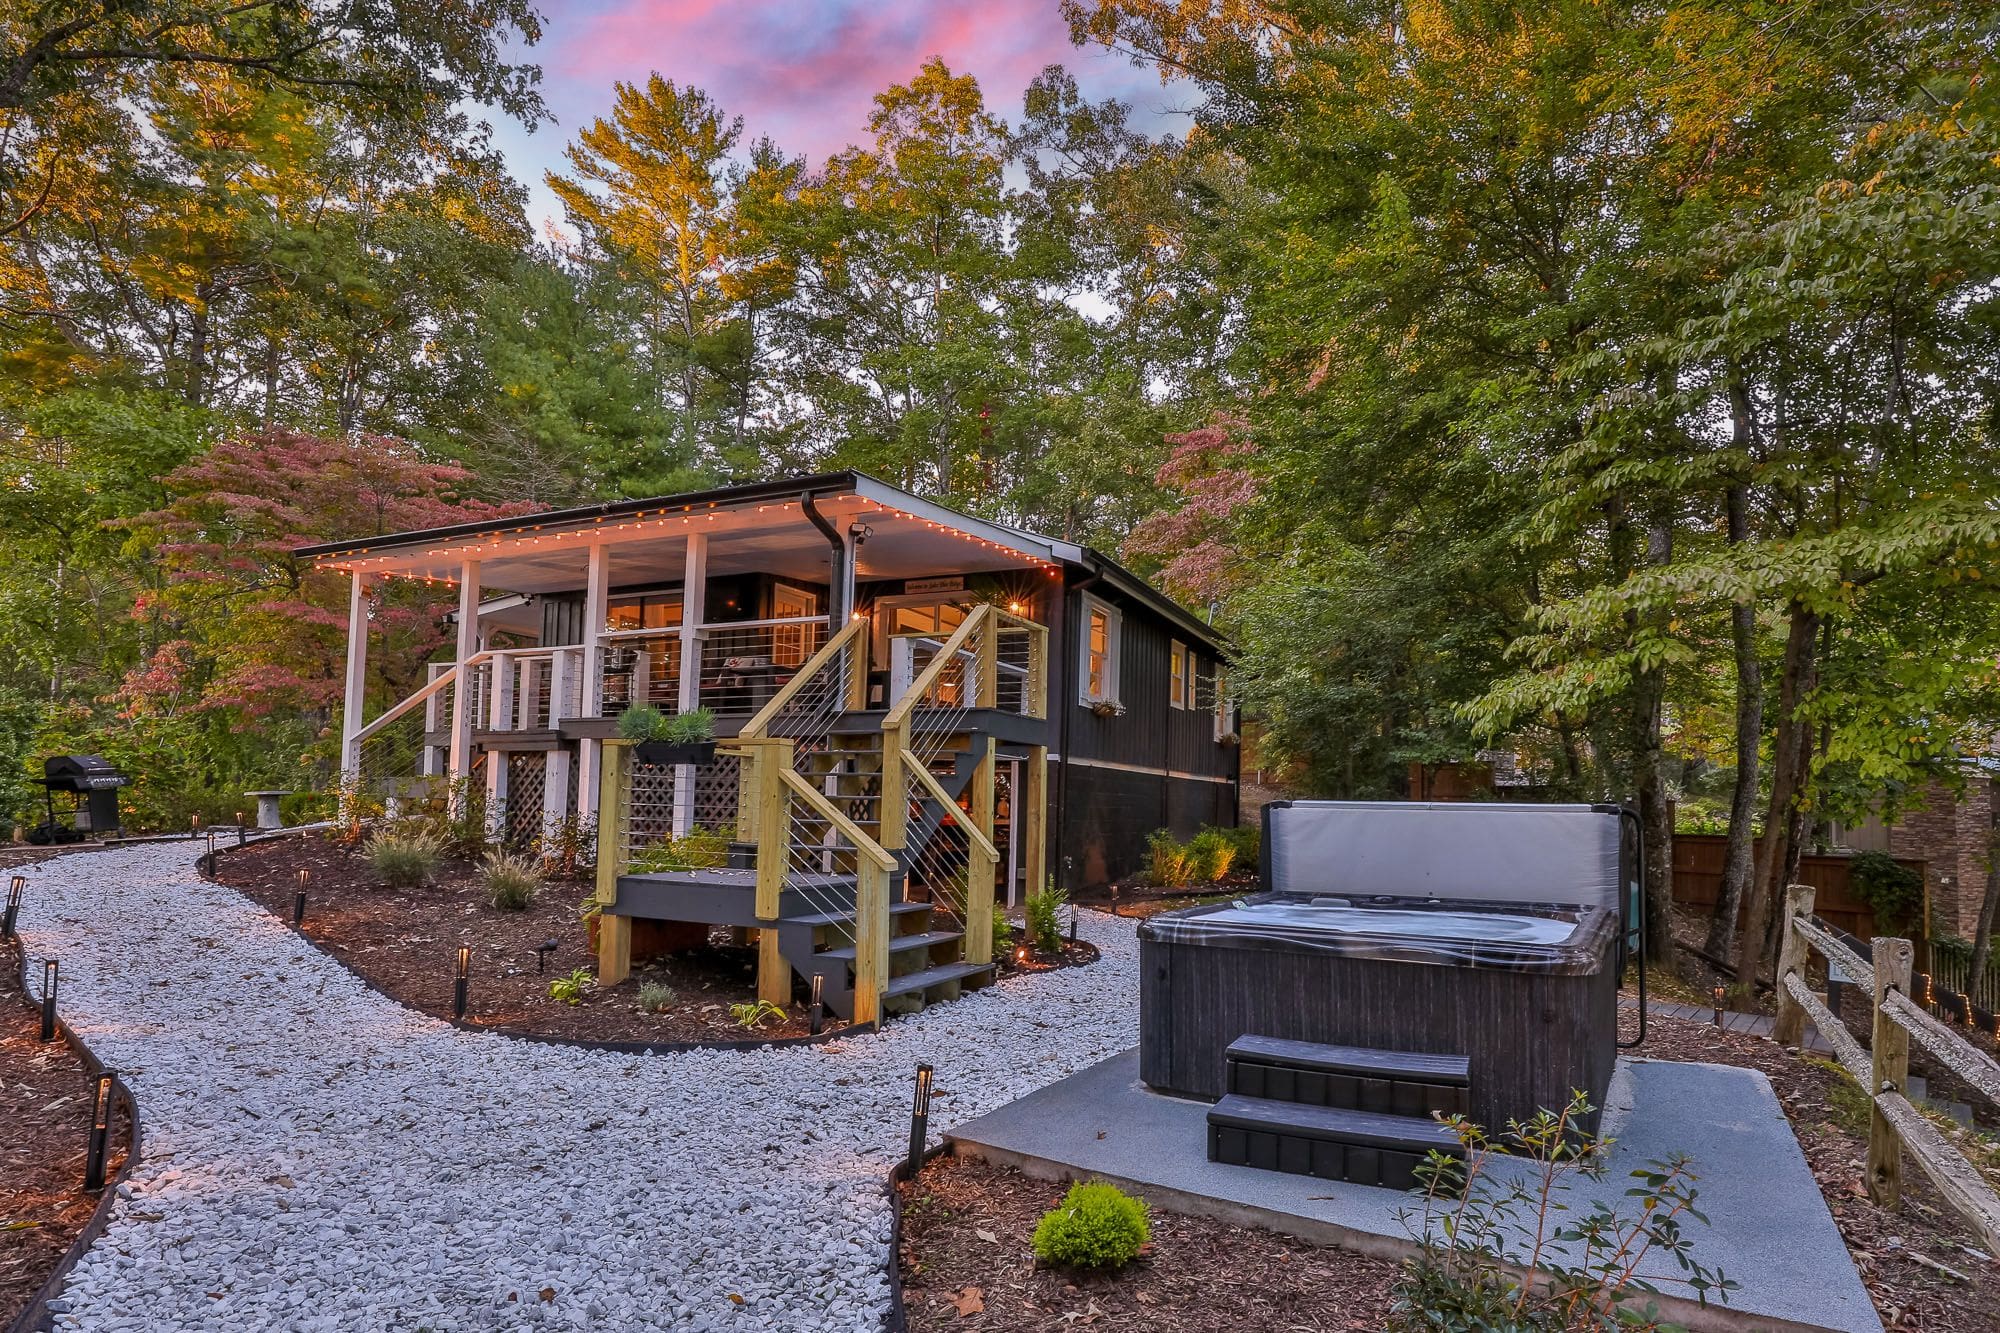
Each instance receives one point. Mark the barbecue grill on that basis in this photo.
(92, 783)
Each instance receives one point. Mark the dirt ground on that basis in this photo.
(45, 1111)
(404, 942)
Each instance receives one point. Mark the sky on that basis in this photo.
(805, 72)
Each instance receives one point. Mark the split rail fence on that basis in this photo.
(1895, 1019)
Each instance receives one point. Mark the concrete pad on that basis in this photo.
(1769, 1226)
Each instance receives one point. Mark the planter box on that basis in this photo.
(669, 752)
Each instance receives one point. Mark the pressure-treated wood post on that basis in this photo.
(871, 939)
(773, 760)
(856, 666)
(980, 868)
(614, 933)
(1790, 1027)
(986, 693)
(1031, 816)
(1890, 1047)
(895, 808)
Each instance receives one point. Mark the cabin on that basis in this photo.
(917, 714)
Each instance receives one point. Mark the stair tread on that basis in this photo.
(831, 918)
(900, 943)
(1367, 1128)
(933, 976)
(1360, 1060)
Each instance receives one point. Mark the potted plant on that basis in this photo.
(684, 738)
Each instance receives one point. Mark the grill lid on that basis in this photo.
(81, 772)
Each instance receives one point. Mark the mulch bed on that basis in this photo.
(967, 1265)
(1830, 1116)
(1136, 898)
(404, 943)
(45, 1105)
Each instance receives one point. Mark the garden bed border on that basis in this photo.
(35, 1317)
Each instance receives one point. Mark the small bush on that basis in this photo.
(570, 989)
(511, 881)
(656, 997)
(644, 723)
(1211, 854)
(1096, 1226)
(569, 846)
(1893, 891)
(1167, 861)
(1043, 914)
(699, 849)
(405, 858)
(1003, 930)
(689, 728)
(755, 1013)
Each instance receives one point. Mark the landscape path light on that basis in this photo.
(100, 1132)
(542, 952)
(299, 898)
(461, 981)
(15, 889)
(816, 1015)
(51, 975)
(920, 1120)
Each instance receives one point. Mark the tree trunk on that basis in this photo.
(1738, 862)
(1786, 753)
(1982, 934)
(1655, 812)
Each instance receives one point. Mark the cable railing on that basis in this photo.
(742, 664)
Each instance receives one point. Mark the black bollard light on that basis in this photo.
(920, 1120)
(1716, 994)
(15, 889)
(816, 1015)
(241, 837)
(463, 981)
(100, 1133)
(1114, 901)
(50, 976)
(1072, 923)
(299, 899)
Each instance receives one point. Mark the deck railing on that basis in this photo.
(1883, 1069)
(743, 664)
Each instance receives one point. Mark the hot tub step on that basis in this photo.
(1401, 1083)
(1333, 1143)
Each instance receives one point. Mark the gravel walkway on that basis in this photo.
(318, 1157)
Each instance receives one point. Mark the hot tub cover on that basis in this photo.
(1518, 936)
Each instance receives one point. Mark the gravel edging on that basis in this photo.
(36, 1317)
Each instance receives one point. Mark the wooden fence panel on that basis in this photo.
(1698, 860)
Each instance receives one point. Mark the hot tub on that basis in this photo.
(1521, 984)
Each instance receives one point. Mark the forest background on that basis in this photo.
(1612, 384)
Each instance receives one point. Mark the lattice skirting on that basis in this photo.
(527, 781)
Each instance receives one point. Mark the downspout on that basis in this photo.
(837, 581)
(1068, 705)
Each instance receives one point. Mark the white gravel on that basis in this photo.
(317, 1157)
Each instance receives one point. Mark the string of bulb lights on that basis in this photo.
(683, 515)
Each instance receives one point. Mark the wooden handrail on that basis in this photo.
(756, 727)
(1958, 1055)
(429, 688)
(846, 827)
(1857, 968)
(1957, 1179)
(1852, 1057)
(930, 674)
(930, 784)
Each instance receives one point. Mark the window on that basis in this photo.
(660, 611)
(1098, 669)
(1225, 709)
(1180, 685)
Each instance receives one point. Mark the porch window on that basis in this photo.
(1181, 682)
(660, 611)
(1225, 709)
(1098, 670)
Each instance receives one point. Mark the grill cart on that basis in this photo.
(92, 784)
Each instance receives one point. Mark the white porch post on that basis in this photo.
(356, 698)
(460, 761)
(694, 614)
(596, 604)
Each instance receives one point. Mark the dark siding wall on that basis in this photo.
(562, 621)
(1112, 811)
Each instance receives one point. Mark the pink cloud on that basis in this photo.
(805, 73)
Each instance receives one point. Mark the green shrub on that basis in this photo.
(1003, 930)
(1095, 1226)
(1042, 913)
(511, 881)
(1211, 854)
(689, 728)
(1167, 861)
(1474, 1244)
(570, 989)
(1893, 891)
(643, 723)
(656, 997)
(405, 857)
(569, 846)
(698, 849)
(755, 1013)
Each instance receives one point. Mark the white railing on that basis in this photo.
(527, 689)
(743, 664)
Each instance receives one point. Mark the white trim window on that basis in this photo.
(1180, 677)
(1097, 656)
(1225, 708)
